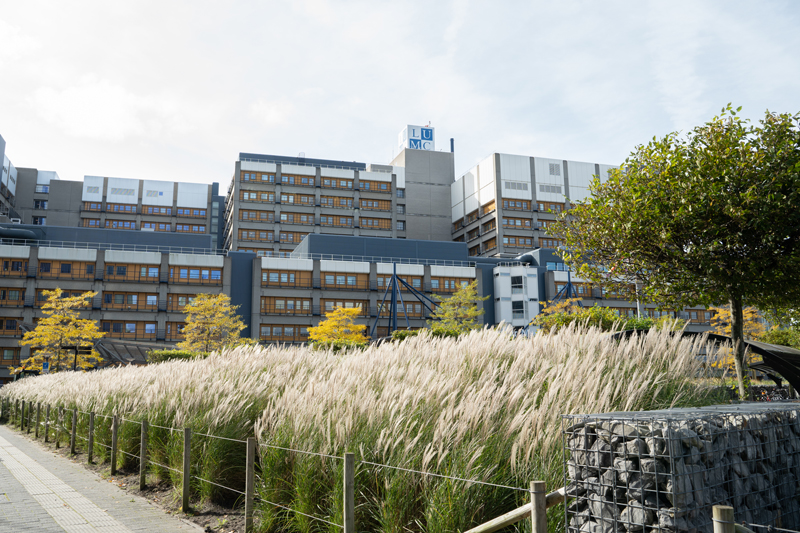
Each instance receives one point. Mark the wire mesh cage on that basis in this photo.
(665, 470)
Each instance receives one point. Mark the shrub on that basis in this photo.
(782, 337)
(402, 334)
(159, 356)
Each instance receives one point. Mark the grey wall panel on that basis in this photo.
(242, 286)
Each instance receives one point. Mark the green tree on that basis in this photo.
(212, 325)
(459, 313)
(782, 336)
(339, 329)
(555, 315)
(62, 338)
(705, 218)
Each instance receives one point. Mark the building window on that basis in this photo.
(516, 284)
(43, 188)
(39, 221)
(401, 193)
(401, 225)
(517, 310)
(40, 204)
(66, 268)
(401, 209)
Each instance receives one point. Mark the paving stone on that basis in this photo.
(43, 492)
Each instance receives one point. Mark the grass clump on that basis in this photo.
(484, 406)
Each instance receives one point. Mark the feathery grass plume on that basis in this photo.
(485, 407)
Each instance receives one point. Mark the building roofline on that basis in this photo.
(306, 161)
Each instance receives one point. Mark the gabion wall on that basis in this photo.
(665, 470)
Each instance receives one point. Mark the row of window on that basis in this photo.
(516, 223)
(549, 243)
(9, 326)
(336, 221)
(131, 225)
(261, 216)
(151, 273)
(286, 179)
(307, 199)
(65, 269)
(519, 205)
(145, 300)
(253, 235)
(284, 333)
(379, 186)
(518, 241)
(286, 306)
(146, 209)
(11, 296)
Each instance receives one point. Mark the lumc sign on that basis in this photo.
(417, 138)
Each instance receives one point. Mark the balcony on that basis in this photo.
(14, 269)
(284, 310)
(297, 284)
(62, 271)
(344, 285)
(140, 305)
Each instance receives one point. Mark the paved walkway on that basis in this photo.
(43, 492)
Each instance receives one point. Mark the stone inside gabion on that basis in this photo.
(665, 470)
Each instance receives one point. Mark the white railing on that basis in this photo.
(113, 246)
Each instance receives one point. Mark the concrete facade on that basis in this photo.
(504, 204)
(428, 177)
(273, 202)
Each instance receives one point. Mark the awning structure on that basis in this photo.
(777, 361)
(125, 352)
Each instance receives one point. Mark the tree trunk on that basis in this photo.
(737, 334)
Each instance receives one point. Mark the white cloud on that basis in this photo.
(14, 43)
(191, 88)
(94, 109)
(272, 113)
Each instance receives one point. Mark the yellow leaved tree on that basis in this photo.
(61, 338)
(721, 323)
(339, 330)
(459, 313)
(212, 325)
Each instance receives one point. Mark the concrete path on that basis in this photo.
(43, 492)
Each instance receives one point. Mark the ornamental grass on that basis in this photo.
(483, 407)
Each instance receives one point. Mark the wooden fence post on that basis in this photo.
(722, 515)
(143, 457)
(538, 507)
(187, 452)
(30, 417)
(249, 484)
(22, 417)
(74, 429)
(38, 419)
(349, 493)
(47, 424)
(59, 422)
(114, 428)
(90, 445)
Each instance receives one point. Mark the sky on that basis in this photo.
(175, 90)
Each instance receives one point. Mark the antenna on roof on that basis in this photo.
(301, 155)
